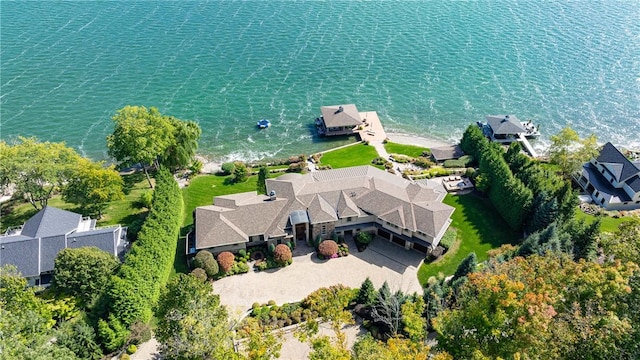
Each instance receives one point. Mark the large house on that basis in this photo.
(323, 203)
(33, 247)
(612, 180)
(338, 120)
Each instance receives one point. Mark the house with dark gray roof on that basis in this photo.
(443, 153)
(338, 120)
(612, 180)
(321, 204)
(33, 247)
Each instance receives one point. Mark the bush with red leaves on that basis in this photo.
(328, 248)
(225, 260)
(282, 254)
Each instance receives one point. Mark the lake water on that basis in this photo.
(427, 67)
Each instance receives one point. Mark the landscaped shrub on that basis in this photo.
(226, 260)
(271, 248)
(423, 162)
(328, 248)
(131, 349)
(204, 259)
(140, 333)
(125, 357)
(364, 238)
(282, 254)
(343, 250)
(378, 161)
(146, 198)
(227, 168)
(135, 290)
(239, 268)
(402, 159)
(199, 273)
(242, 252)
(449, 238)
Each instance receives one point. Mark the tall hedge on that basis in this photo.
(135, 289)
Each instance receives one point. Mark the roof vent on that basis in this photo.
(340, 109)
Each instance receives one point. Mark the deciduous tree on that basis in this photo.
(191, 322)
(83, 272)
(93, 186)
(140, 136)
(569, 151)
(36, 169)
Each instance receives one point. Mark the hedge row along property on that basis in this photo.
(135, 289)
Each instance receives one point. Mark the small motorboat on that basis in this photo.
(264, 123)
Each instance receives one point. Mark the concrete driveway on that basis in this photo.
(381, 261)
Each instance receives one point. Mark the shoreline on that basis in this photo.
(211, 166)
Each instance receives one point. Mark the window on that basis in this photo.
(349, 219)
(323, 229)
(602, 201)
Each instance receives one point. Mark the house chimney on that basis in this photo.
(272, 195)
(340, 109)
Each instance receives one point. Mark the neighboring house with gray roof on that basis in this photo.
(33, 247)
(612, 180)
(442, 153)
(338, 120)
(324, 203)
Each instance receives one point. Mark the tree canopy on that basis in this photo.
(36, 169)
(569, 151)
(83, 272)
(146, 137)
(93, 186)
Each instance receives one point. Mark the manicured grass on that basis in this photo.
(200, 192)
(124, 212)
(409, 150)
(359, 154)
(479, 228)
(608, 224)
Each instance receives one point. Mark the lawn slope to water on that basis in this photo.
(479, 227)
(408, 150)
(355, 155)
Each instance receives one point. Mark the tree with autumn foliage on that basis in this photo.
(541, 307)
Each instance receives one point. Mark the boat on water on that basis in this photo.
(263, 124)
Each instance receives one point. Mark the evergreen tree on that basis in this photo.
(467, 266)
(545, 211)
(263, 174)
(367, 293)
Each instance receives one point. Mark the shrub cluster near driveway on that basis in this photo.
(479, 229)
(134, 291)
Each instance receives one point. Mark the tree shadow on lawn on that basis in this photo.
(475, 213)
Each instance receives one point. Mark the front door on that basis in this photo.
(301, 232)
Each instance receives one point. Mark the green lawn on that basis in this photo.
(359, 154)
(479, 227)
(608, 224)
(124, 212)
(409, 150)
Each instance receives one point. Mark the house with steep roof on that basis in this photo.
(338, 120)
(33, 247)
(612, 180)
(321, 204)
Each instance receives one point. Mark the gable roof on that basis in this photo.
(51, 221)
(443, 153)
(49, 231)
(505, 124)
(341, 115)
(621, 167)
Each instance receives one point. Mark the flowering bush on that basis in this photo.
(328, 248)
(226, 260)
(282, 254)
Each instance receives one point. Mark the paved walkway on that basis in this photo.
(382, 261)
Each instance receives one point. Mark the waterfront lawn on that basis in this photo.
(479, 229)
(359, 154)
(408, 150)
(124, 212)
(608, 224)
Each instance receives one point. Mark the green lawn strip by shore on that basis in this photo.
(123, 212)
(479, 228)
(408, 150)
(608, 224)
(359, 154)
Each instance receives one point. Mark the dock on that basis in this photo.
(523, 140)
(372, 129)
